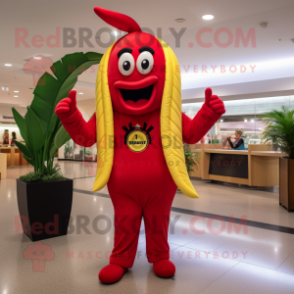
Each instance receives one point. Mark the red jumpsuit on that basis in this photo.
(140, 184)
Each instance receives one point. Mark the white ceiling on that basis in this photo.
(273, 55)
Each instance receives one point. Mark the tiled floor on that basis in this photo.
(220, 260)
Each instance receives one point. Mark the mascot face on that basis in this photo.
(136, 74)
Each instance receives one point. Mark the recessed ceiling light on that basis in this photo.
(15, 91)
(81, 93)
(180, 20)
(208, 17)
(263, 24)
(8, 64)
(15, 96)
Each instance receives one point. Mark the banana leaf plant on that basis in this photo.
(41, 128)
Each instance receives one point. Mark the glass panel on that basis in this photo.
(242, 114)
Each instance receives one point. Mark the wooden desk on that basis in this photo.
(263, 165)
(14, 156)
(264, 168)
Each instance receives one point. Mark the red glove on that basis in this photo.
(214, 102)
(67, 106)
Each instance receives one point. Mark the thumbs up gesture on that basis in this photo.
(67, 106)
(214, 102)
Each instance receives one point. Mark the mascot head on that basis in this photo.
(139, 74)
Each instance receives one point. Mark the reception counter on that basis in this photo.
(14, 156)
(258, 166)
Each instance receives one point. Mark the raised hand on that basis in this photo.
(67, 106)
(214, 102)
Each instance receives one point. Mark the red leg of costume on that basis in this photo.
(128, 216)
(153, 202)
(156, 218)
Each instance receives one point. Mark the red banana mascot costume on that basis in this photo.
(139, 130)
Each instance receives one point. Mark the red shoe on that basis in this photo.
(164, 268)
(111, 273)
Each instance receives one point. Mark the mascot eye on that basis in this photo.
(145, 63)
(126, 64)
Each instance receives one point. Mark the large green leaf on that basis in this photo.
(51, 90)
(35, 134)
(29, 160)
(60, 139)
(20, 121)
(24, 149)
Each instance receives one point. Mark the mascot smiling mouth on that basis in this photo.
(138, 94)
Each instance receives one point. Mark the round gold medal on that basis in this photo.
(137, 141)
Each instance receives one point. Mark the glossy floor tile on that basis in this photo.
(211, 254)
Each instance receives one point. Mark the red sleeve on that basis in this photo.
(83, 133)
(194, 129)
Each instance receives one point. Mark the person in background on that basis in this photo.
(13, 138)
(239, 142)
(5, 138)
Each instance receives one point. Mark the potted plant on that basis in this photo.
(191, 158)
(68, 150)
(45, 196)
(280, 131)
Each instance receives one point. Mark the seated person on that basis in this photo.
(239, 142)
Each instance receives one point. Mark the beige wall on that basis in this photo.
(87, 106)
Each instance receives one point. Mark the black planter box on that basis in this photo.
(45, 208)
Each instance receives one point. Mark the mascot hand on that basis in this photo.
(214, 102)
(67, 106)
